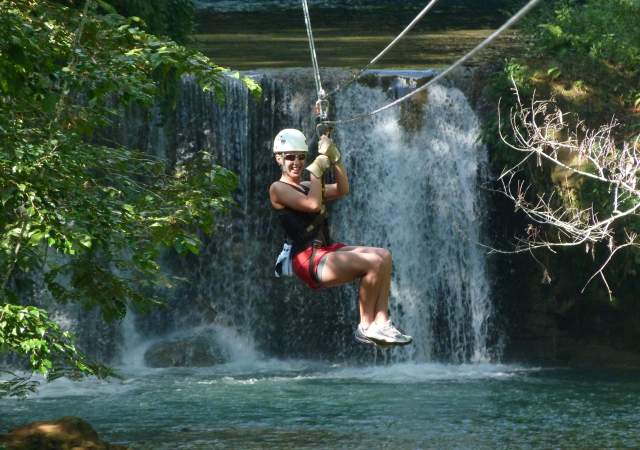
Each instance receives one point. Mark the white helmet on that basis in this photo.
(290, 140)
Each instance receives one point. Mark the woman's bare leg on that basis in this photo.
(373, 266)
(382, 305)
(381, 310)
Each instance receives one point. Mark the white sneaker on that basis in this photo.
(361, 337)
(386, 334)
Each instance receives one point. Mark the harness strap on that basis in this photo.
(322, 217)
(312, 263)
(317, 221)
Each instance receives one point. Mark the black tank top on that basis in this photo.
(302, 228)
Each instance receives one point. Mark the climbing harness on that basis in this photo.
(516, 17)
(315, 234)
(408, 28)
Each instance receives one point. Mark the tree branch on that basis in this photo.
(543, 131)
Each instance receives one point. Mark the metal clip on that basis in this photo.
(322, 108)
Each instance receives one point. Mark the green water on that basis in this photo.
(350, 38)
(305, 405)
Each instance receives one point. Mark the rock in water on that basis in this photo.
(192, 351)
(67, 433)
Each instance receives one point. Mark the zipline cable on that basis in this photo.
(444, 73)
(386, 49)
(314, 60)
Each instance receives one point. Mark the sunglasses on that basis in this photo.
(294, 157)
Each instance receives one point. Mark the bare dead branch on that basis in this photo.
(542, 131)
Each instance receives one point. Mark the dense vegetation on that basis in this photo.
(173, 18)
(586, 56)
(82, 217)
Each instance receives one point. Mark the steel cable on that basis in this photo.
(386, 49)
(444, 73)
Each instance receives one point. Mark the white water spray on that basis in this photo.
(414, 190)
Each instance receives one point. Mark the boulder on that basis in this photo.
(191, 351)
(67, 433)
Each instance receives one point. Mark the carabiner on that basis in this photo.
(322, 109)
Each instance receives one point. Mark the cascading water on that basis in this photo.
(413, 172)
(414, 191)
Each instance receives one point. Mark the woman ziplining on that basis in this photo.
(317, 261)
(301, 207)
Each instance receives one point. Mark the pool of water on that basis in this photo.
(311, 405)
(273, 35)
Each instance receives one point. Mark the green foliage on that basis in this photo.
(586, 55)
(173, 18)
(593, 41)
(28, 331)
(84, 214)
(606, 32)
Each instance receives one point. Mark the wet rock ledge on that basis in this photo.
(67, 433)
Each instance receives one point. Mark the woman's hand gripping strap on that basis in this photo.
(319, 165)
(327, 147)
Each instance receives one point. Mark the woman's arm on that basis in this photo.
(283, 196)
(341, 187)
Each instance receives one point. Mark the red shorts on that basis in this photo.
(302, 259)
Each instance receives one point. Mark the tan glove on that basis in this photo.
(328, 148)
(319, 165)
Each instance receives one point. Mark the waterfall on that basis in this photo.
(414, 174)
(414, 191)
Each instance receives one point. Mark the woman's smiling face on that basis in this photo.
(293, 163)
